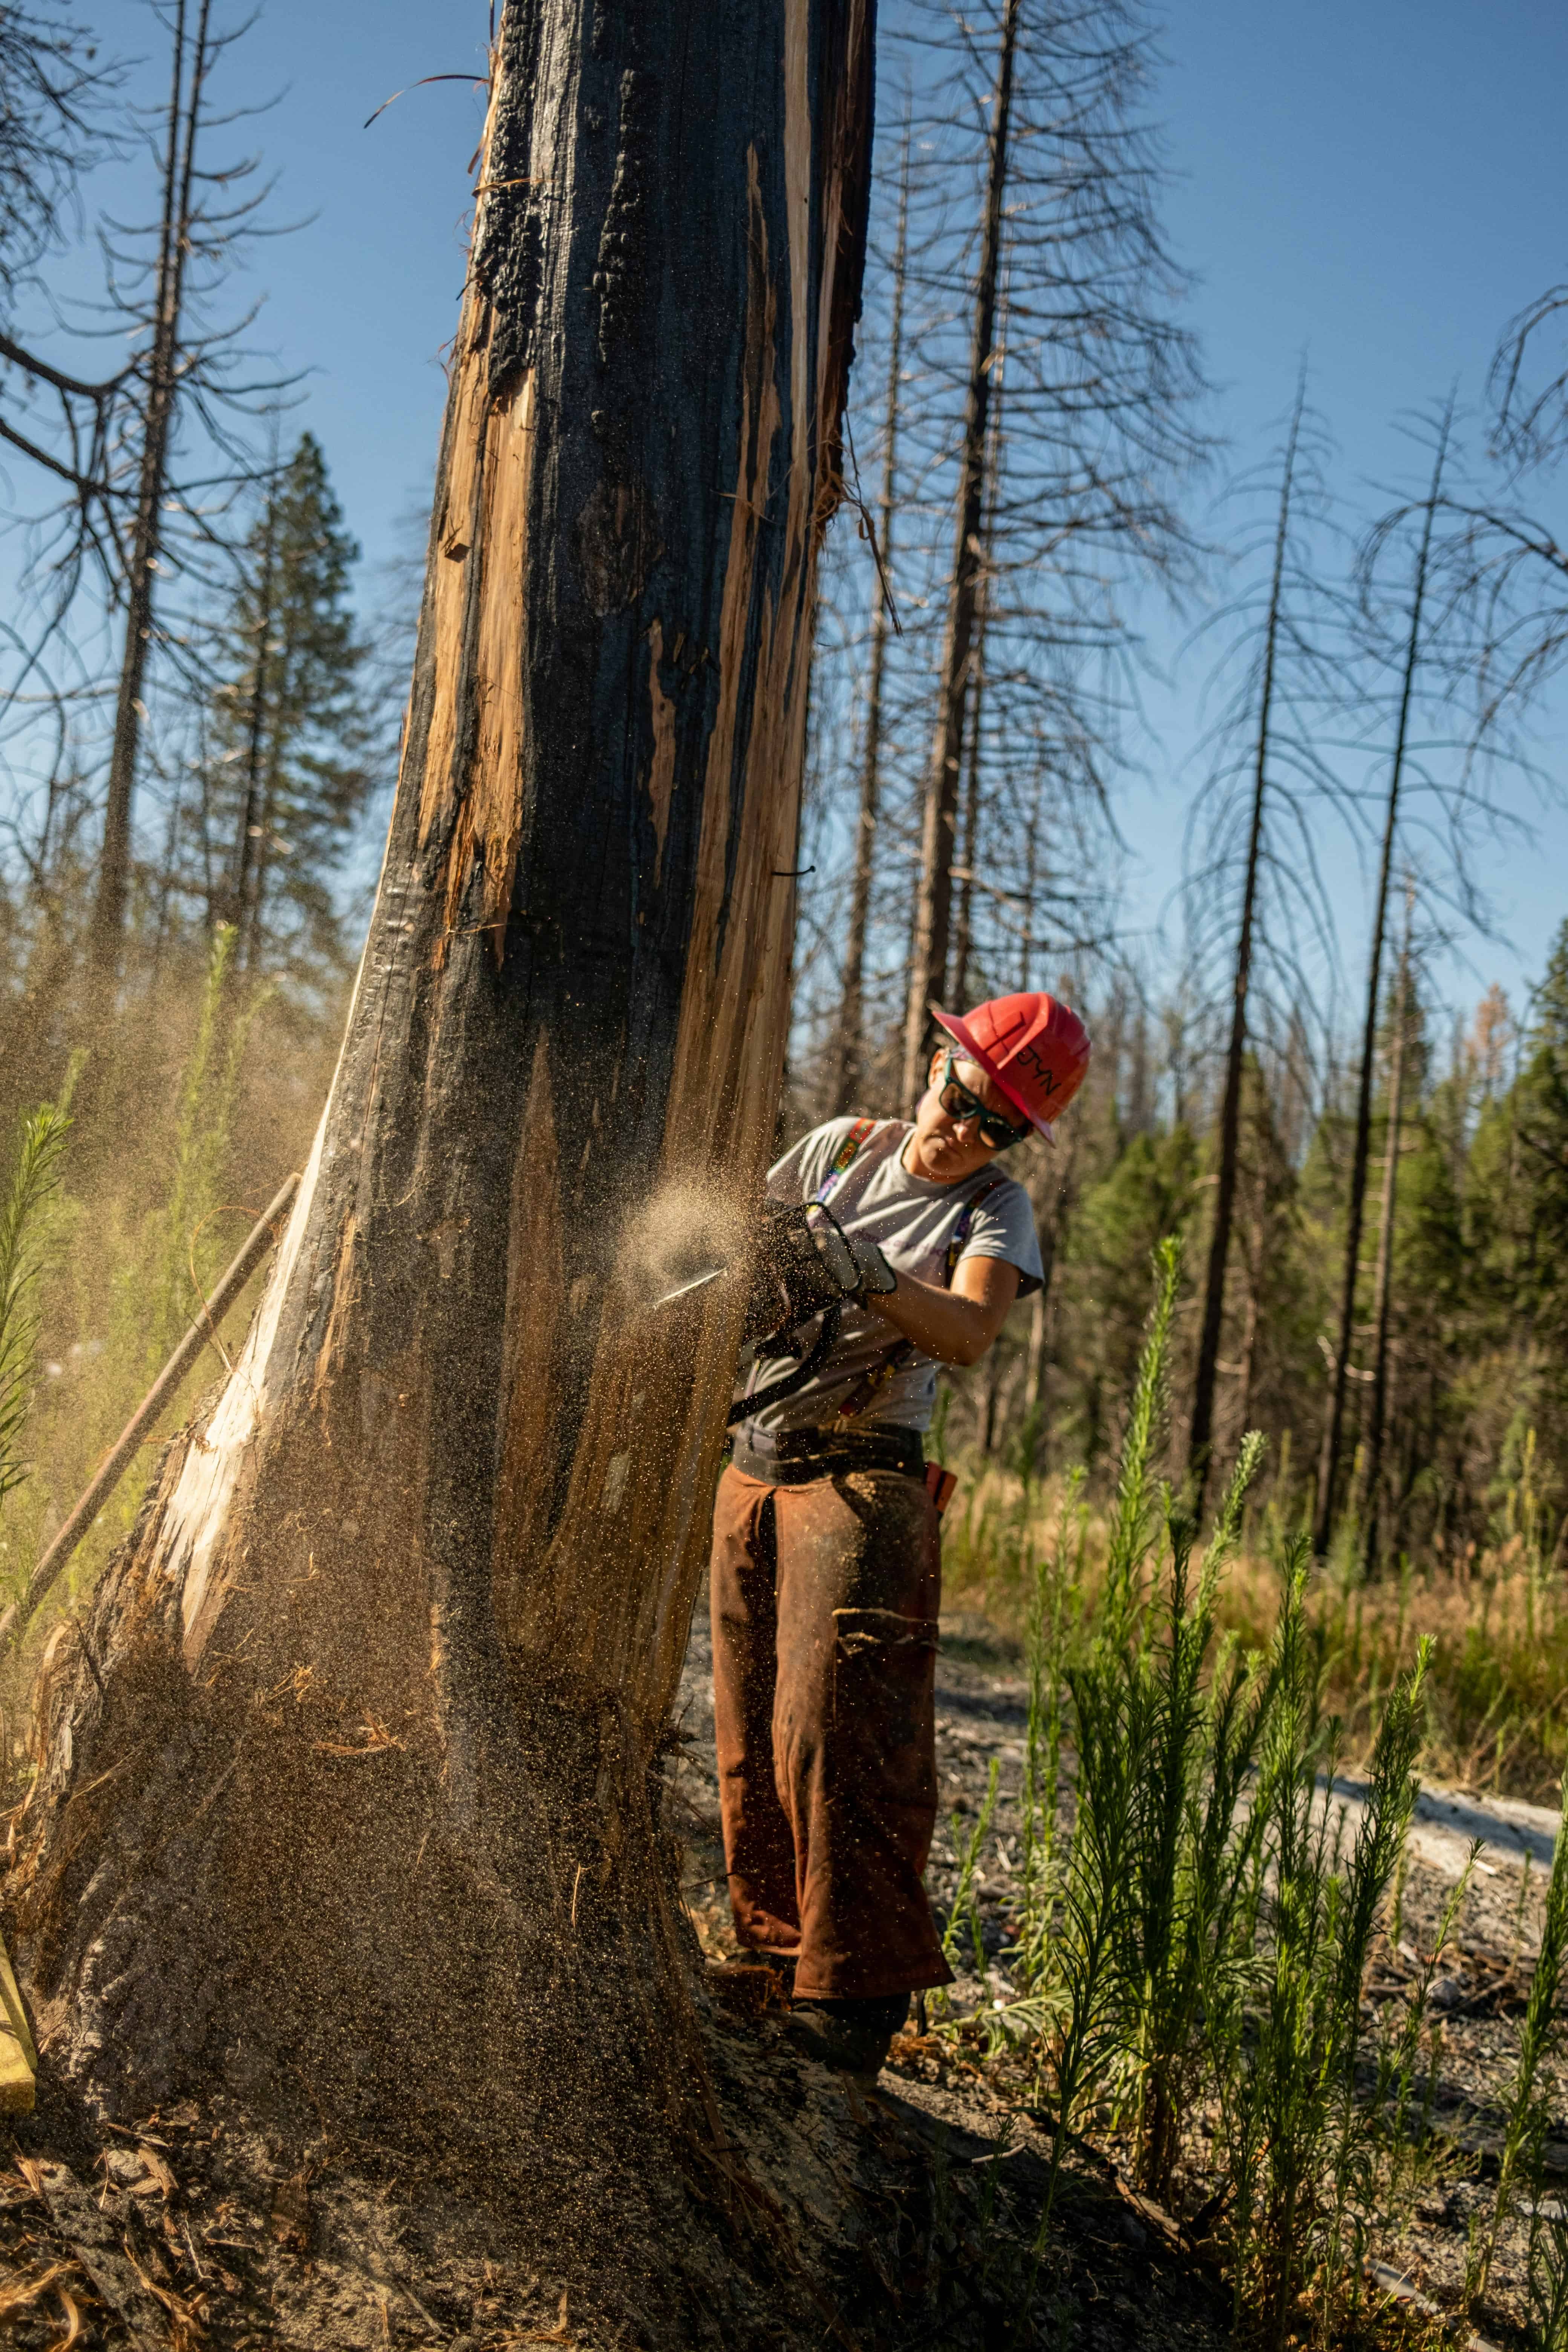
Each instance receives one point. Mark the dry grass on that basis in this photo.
(1498, 1683)
(183, 1120)
(1498, 1679)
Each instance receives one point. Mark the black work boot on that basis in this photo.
(851, 2036)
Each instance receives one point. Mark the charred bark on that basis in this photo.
(247, 846)
(1383, 1281)
(968, 867)
(345, 1786)
(113, 897)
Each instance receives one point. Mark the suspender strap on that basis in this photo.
(845, 1155)
(959, 1238)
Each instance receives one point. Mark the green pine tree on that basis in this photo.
(289, 768)
(1146, 1194)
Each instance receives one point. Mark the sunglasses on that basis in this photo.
(959, 1104)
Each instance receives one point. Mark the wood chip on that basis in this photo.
(73, 2322)
(17, 2293)
(19, 2057)
(288, 2222)
(560, 2333)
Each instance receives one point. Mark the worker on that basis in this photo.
(824, 1582)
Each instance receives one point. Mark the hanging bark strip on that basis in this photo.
(933, 905)
(1201, 1430)
(394, 1643)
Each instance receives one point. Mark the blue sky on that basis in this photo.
(1380, 184)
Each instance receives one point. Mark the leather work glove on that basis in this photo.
(877, 1279)
(804, 1263)
(853, 1262)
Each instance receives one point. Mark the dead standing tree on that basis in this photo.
(348, 1782)
(1044, 112)
(156, 456)
(1201, 1426)
(1370, 1497)
(1355, 1207)
(1437, 640)
(849, 1038)
(934, 905)
(194, 55)
(1278, 781)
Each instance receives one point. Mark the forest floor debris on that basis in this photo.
(904, 2217)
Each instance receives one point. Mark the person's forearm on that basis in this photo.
(941, 1323)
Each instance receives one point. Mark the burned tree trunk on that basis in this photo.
(247, 848)
(348, 1785)
(1383, 1282)
(1355, 1205)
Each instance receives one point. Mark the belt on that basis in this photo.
(789, 1458)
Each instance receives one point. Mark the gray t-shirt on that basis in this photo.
(911, 1220)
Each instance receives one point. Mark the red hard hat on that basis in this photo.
(1033, 1046)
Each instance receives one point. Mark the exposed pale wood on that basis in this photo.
(18, 2056)
(661, 768)
(209, 1475)
(489, 822)
(453, 531)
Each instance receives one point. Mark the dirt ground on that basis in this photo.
(903, 2218)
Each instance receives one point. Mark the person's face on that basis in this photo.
(950, 1147)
